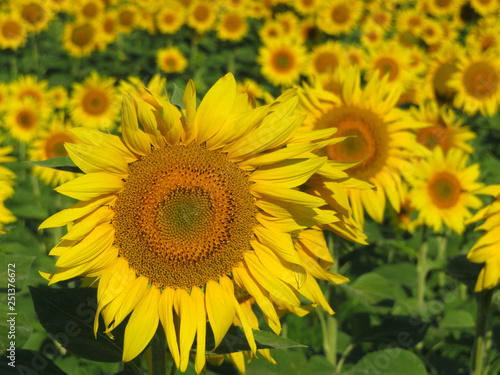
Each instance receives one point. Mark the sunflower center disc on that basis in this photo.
(367, 142)
(186, 216)
(444, 190)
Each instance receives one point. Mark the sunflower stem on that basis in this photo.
(173, 369)
(13, 66)
(422, 268)
(482, 341)
(35, 53)
(231, 65)
(441, 256)
(158, 353)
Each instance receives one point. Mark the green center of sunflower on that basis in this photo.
(185, 213)
(185, 216)
(283, 61)
(444, 190)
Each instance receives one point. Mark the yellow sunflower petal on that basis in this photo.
(215, 107)
(201, 327)
(220, 310)
(94, 159)
(187, 315)
(134, 138)
(91, 185)
(142, 324)
(166, 313)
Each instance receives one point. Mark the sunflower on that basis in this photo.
(392, 60)
(355, 56)
(6, 189)
(24, 119)
(93, 103)
(326, 58)
(50, 144)
(442, 189)
(404, 218)
(306, 7)
(445, 130)
(282, 62)
(289, 23)
(89, 9)
(80, 38)
(30, 87)
(171, 60)
(441, 8)
(410, 21)
(271, 31)
(155, 86)
(12, 31)
(58, 96)
(377, 140)
(419, 60)
(372, 35)
(170, 19)
(486, 249)
(381, 17)
(201, 15)
(188, 213)
(126, 16)
(339, 16)
(431, 33)
(108, 26)
(35, 14)
(232, 26)
(477, 82)
(440, 70)
(482, 38)
(251, 88)
(307, 31)
(485, 7)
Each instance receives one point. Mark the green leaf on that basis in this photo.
(463, 270)
(371, 288)
(393, 361)
(30, 211)
(62, 163)
(403, 331)
(403, 273)
(287, 362)
(176, 98)
(457, 319)
(235, 341)
(29, 362)
(68, 316)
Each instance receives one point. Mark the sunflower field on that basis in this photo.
(250, 187)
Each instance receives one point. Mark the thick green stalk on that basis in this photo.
(158, 353)
(482, 342)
